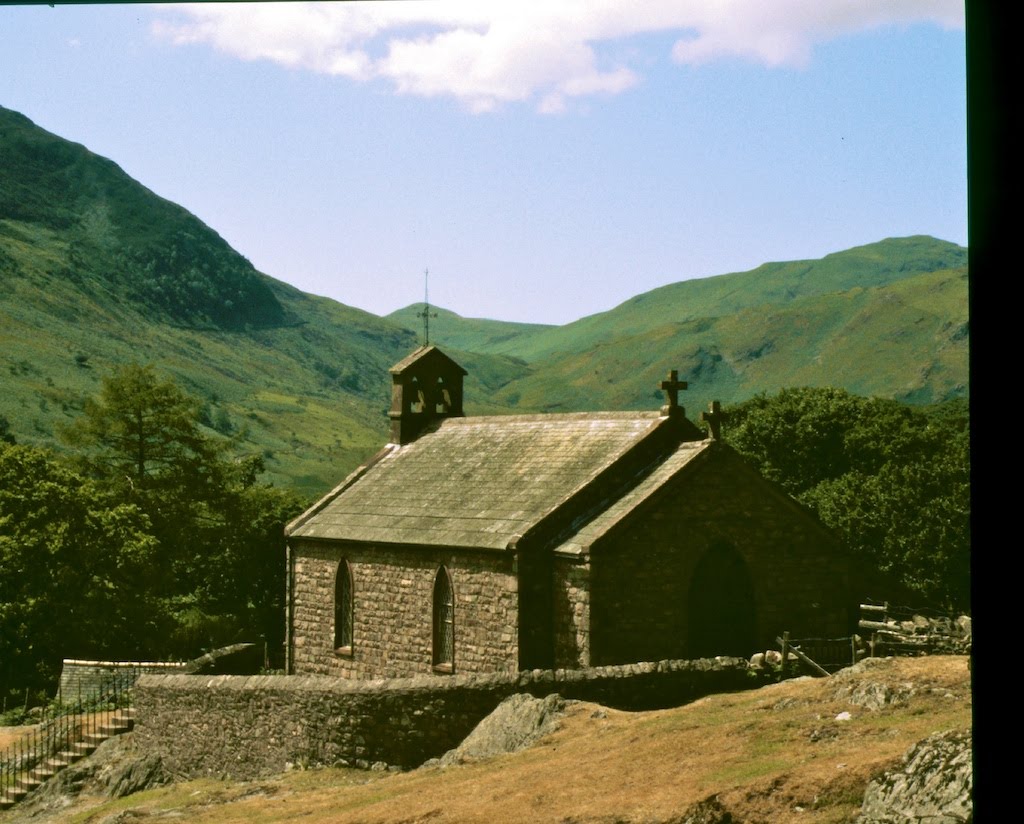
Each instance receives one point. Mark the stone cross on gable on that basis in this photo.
(671, 387)
(715, 417)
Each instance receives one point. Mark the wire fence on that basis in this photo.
(890, 630)
(900, 630)
(823, 655)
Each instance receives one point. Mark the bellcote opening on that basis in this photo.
(425, 387)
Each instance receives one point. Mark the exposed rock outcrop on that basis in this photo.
(934, 785)
(517, 722)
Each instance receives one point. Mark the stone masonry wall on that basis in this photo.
(88, 678)
(642, 574)
(571, 598)
(393, 610)
(247, 726)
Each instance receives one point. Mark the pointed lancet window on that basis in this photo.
(444, 622)
(343, 609)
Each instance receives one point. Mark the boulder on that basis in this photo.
(933, 785)
(516, 723)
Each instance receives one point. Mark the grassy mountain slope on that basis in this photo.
(769, 285)
(150, 250)
(888, 318)
(473, 334)
(97, 271)
(907, 339)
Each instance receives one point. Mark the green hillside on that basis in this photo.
(97, 271)
(907, 340)
(450, 330)
(769, 285)
(150, 251)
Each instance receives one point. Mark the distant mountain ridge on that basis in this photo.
(771, 284)
(887, 318)
(97, 271)
(475, 334)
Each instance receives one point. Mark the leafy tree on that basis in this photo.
(142, 435)
(910, 519)
(798, 437)
(72, 562)
(892, 480)
(241, 570)
(221, 559)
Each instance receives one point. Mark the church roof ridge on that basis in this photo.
(551, 417)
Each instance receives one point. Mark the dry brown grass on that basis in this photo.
(12, 735)
(776, 754)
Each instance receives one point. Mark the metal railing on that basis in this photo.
(67, 731)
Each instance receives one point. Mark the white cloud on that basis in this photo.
(486, 54)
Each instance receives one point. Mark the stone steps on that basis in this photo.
(122, 722)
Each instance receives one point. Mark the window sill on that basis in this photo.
(444, 669)
(343, 652)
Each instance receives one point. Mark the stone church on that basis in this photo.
(504, 543)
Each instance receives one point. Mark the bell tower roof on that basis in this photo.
(427, 355)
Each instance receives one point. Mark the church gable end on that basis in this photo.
(714, 535)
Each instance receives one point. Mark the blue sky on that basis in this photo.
(546, 161)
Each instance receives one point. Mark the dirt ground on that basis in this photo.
(803, 750)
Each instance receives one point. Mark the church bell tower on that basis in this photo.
(425, 387)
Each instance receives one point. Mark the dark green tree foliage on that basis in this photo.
(220, 562)
(69, 557)
(892, 480)
(142, 436)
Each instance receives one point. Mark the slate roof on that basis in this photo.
(484, 481)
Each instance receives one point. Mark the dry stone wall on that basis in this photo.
(87, 679)
(248, 726)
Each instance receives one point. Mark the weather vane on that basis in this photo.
(425, 314)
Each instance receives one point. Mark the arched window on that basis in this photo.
(343, 609)
(444, 622)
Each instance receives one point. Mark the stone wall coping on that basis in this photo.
(124, 664)
(512, 681)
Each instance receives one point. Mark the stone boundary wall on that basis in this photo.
(244, 727)
(90, 678)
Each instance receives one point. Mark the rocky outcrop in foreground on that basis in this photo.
(518, 722)
(934, 785)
